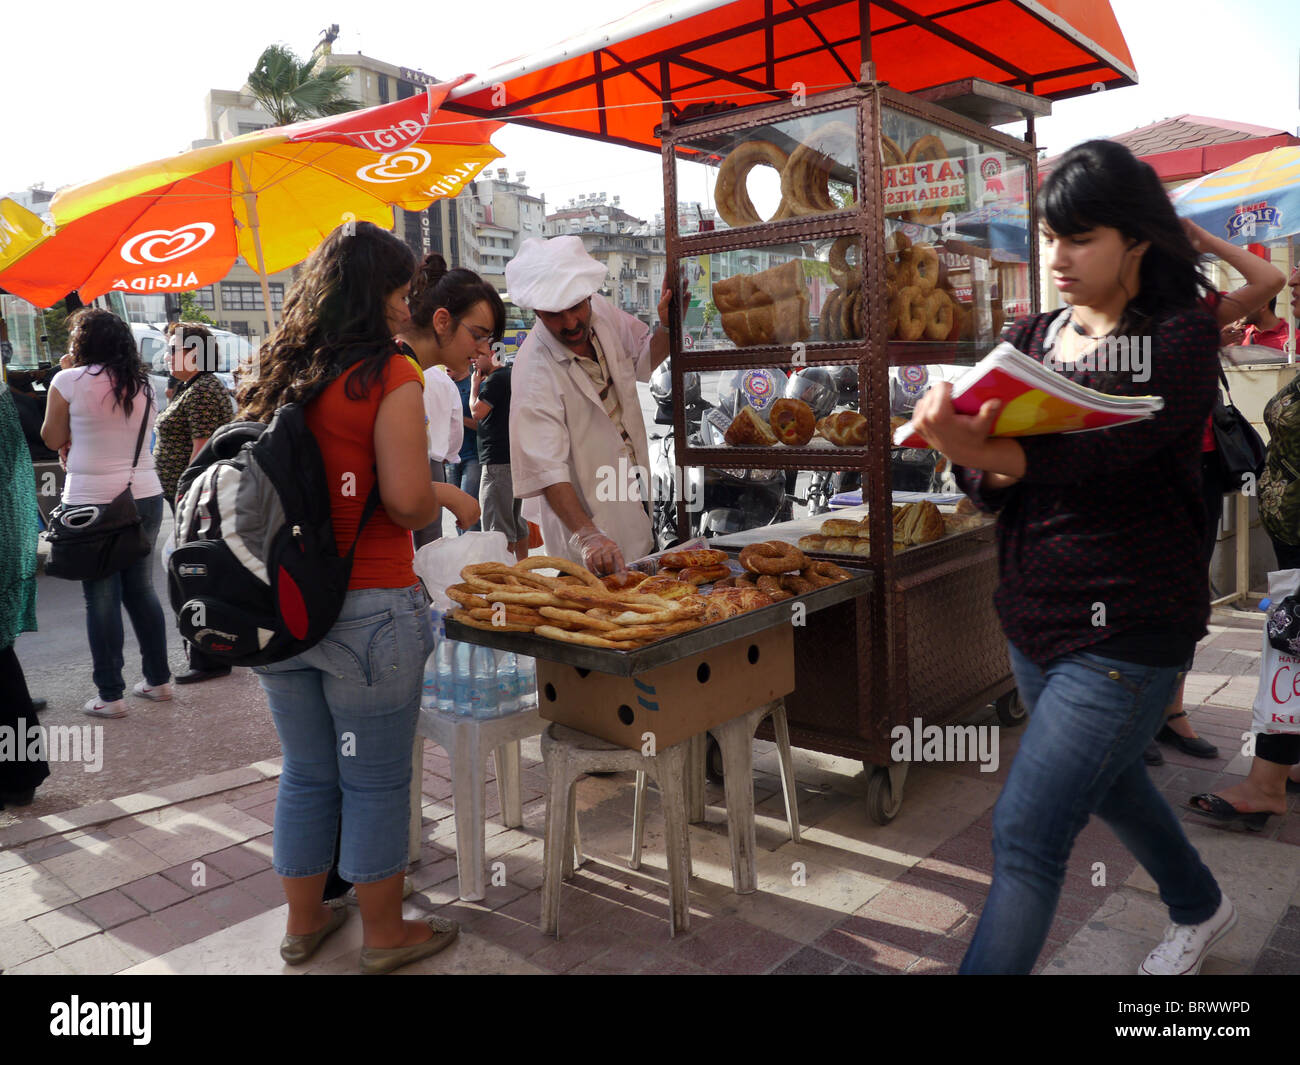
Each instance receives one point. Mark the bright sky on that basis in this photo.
(102, 87)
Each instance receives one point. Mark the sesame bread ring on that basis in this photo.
(897, 242)
(891, 311)
(466, 597)
(796, 585)
(729, 194)
(830, 316)
(911, 313)
(577, 618)
(938, 315)
(770, 585)
(773, 557)
(838, 260)
(851, 315)
(825, 572)
(928, 149)
(925, 264)
(907, 276)
(805, 180)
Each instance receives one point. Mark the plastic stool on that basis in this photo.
(568, 755)
(467, 742)
(736, 739)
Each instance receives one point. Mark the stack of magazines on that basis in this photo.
(1035, 400)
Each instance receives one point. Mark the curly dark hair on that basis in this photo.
(100, 338)
(334, 319)
(1102, 183)
(435, 287)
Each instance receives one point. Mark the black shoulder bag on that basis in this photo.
(1240, 448)
(90, 541)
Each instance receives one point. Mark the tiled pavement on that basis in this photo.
(179, 880)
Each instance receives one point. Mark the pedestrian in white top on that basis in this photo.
(93, 414)
(454, 314)
(577, 439)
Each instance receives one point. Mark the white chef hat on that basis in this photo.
(552, 275)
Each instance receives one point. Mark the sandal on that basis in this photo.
(1222, 810)
(1193, 745)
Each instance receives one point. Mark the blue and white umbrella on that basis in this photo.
(1254, 201)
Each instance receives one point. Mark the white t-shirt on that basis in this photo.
(443, 413)
(103, 438)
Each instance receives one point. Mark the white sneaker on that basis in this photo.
(1185, 945)
(160, 693)
(96, 707)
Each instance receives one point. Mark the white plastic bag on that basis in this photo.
(1277, 699)
(439, 564)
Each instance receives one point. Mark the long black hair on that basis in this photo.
(100, 338)
(435, 287)
(1101, 183)
(334, 317)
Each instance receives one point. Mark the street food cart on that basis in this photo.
(903, 236)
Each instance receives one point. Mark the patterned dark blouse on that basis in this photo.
(193, 414)
(1099, 542)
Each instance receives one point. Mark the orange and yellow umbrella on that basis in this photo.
(271, 197)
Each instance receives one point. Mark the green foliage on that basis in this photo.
(192, 312)
(293, 90)
(55, 321)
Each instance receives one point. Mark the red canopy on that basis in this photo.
(609, 84)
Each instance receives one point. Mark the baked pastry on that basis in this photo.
(918, 523)
(805, 180)
(939, 314)
(848, 428)
(730, 194)
(911, 313)
(966, 506)
(747, 429)
(772, 557)
(928, 149)
(769, 307)
(812, 543)
(793, 421)
(844, 527)
(704, 556)
(698, 575)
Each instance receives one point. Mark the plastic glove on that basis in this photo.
(599, 553)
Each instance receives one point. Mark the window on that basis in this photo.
(383, 88)
(247, 296)
(205, 298)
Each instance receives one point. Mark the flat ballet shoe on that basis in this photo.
(297, 949)
(386, 959)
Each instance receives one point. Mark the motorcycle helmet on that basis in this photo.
(661, 385)
(846, 380)
(817, 387)
(758, 389)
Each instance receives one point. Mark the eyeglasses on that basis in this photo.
(481, 336)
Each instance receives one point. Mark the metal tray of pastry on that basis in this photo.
(791, 531)
(670, 648)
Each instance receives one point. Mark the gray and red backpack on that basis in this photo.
(256, 576)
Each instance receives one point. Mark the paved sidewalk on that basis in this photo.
(178, 879)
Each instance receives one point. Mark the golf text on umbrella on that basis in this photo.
(396, 166)
(164, 245)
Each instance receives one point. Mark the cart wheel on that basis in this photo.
(713, 761)
(1010, 710)
(882, 806)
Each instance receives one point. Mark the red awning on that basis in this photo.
(610, 83)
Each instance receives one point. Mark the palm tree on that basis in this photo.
(292, 90)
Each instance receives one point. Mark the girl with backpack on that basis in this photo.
(1102, 589)
(346, 708)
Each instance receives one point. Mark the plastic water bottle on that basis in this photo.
(507, 683)
(445, 658)
(429, 686)
(527, 681)
(464, 680)
(483, 691)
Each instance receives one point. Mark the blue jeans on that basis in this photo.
(466, 476)
(131, 588)
(346, 711)
(1090, 718)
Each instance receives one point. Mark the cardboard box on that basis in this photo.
(676, 701)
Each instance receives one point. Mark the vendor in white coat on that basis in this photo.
(576, 431)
